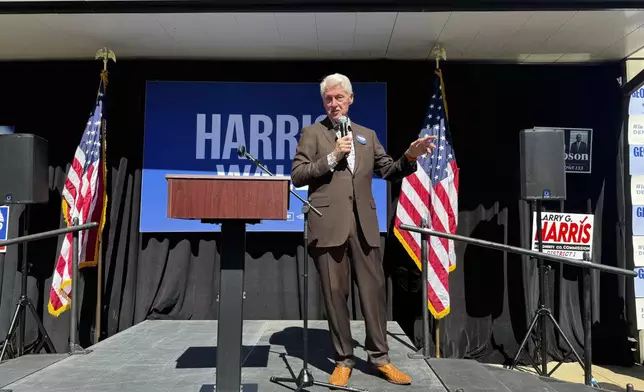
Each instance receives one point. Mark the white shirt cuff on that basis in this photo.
(331, 160)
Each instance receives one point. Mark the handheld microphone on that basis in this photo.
(343, 126)
(241, 152)
(343, 129)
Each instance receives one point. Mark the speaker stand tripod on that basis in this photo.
(542, 314)
(19, 318)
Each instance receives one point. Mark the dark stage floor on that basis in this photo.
(177, 356)
(181, 356)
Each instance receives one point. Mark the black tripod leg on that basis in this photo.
(45, 336)
(303, 380)
(331, 386)
(40, 345)
(302, 384)
(524, 342)
(554, 322)
(12, 329)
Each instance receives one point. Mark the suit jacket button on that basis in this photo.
(350, 198)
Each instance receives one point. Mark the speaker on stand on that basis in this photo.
(24, 180)
(543, 178)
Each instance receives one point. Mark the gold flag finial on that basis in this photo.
(106, 55)
(439, 53)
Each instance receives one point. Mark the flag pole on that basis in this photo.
(439, 53)
(105, 55)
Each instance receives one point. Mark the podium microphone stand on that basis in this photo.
(305, 377)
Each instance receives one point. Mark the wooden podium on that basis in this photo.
(233, 202)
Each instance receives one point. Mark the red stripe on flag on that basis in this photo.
(420, 188)
(431, 294)
(409, 207)
(409, 240)
(456, 171)
(433, 299)
(434, 260)
(442, 196)
(437, 225)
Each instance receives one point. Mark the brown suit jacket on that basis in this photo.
(332, 192)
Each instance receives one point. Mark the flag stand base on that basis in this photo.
(420, 354)
(76, 350)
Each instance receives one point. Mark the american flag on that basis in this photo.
(84, 198)
(431, 193)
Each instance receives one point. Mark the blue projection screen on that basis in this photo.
(195, 128)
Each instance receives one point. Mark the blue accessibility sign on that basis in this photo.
(4, 226)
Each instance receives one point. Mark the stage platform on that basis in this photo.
(181, 356)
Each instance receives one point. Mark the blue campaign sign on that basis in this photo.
(4, 226)
(636, 103)
(639, 283)
(636, 159)
(196, 127)
(638, 220)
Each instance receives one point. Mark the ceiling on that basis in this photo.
(523, 36)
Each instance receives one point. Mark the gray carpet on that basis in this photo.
(174, 356)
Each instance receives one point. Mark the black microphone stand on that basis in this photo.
(305, 378)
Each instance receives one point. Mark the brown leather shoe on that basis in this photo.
(340, 376)
(393, 375)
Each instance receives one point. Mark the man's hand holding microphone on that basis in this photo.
(342, 147)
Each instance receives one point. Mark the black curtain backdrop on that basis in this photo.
(174, 276)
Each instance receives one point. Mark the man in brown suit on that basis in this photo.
(338, 172)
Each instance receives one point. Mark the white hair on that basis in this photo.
(336, 80)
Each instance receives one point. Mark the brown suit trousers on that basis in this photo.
(347, 235)
(333, 265)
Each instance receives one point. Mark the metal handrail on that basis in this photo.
(48, 234)
(526, 252)
(75, 229)
(587, 284)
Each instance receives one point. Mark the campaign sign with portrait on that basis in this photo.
(578, 149)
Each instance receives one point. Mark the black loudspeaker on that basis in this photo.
(543, 164)
(24, 169)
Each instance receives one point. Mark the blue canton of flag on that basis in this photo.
(435, 124)
(91, 140)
